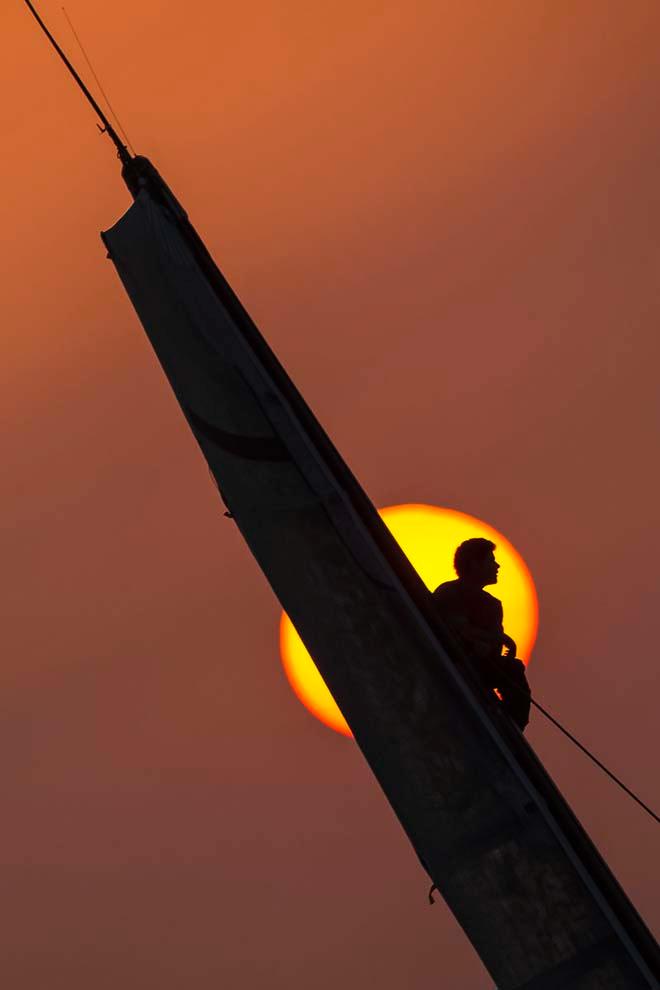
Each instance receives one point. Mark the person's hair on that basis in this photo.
(471, 550)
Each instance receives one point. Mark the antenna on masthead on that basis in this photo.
(107, 128)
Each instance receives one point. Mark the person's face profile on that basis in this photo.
(490, 569)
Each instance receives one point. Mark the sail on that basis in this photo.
(523, 880)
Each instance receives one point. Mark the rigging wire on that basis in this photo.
(98, 81)
(576, 742)
(122, 150)
(594, 759)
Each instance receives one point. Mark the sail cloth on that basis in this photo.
(514, 866)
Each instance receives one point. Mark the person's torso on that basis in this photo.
(471, 613)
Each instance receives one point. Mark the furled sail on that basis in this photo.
(513, 864)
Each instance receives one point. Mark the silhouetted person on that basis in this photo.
(475, 617)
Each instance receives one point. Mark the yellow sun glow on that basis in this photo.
(428, 536)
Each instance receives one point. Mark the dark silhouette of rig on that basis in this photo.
(522, 878)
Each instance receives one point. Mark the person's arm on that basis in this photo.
(510, 647)
(507, 643)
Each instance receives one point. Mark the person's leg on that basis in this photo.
(515, 691)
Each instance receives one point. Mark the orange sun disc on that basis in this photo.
(428, 536)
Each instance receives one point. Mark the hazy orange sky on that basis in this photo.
(444, 217)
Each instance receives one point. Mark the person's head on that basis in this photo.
(474, 561)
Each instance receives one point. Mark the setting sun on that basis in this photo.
(428, 535)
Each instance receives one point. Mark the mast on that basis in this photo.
(122, 151)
